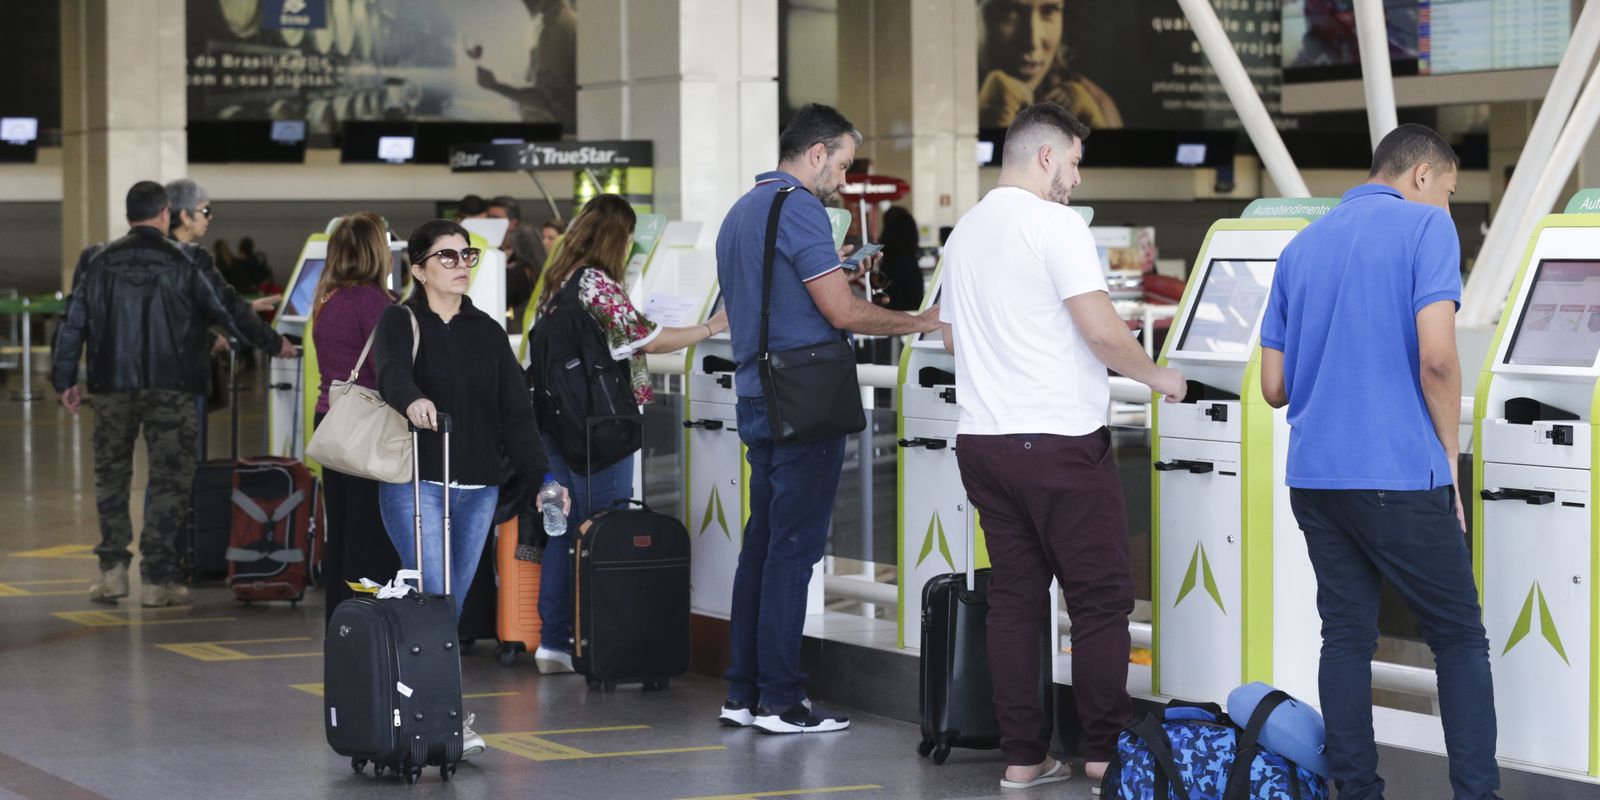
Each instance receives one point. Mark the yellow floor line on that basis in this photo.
(85, 551)
(220, 651)
(533, 745)
(108, 619)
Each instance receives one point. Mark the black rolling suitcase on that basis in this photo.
(203, 543)
(957, 694)
(392, 670)
(631, 612)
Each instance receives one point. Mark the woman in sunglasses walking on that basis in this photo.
(463, 367)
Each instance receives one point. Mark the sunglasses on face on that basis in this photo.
(465, 258)
(204, 212)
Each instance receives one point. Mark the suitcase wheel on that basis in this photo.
(657, 686)
(359, 764)
(378, 770)
(414, 774)
(447, 771)
(507, 655)
(924, 748)
(594, 683)
(941, 753)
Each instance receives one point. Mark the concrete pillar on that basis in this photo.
(699, 78)
(904, 81)
(123, 112)
(1509, 124)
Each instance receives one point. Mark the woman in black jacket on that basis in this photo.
(464, 368)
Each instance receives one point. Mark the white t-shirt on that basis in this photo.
(1021, 366)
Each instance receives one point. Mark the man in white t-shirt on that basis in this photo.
(1027, 315)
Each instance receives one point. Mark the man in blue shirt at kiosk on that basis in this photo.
(791, 486)
(1359, 342)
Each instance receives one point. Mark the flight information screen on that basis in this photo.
(1229, 305)
(1560, 325)
(1426, 37)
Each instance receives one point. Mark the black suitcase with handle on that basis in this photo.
(631, 612)
(392, 670)
(957, 693)
(203, 543)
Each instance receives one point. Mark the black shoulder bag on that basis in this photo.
(812, 392)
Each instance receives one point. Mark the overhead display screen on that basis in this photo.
(304, 291)
(1228, 308)
(1560, 325)
(1426, 37)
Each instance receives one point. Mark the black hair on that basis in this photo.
(899, 235)
(421, 244)
(1408, 146)
(815, 124)
(510, 204)
(146, 200)
(1037, 118)
(472, 205)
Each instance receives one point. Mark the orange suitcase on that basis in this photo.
(517, 625)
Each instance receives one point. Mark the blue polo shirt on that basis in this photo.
(805, 252)
(1343, 311)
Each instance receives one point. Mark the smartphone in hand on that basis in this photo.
(861, 254)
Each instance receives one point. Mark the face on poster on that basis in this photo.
(413, 60)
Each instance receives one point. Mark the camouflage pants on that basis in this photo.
(170, 428)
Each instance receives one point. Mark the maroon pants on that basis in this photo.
(1051, 506)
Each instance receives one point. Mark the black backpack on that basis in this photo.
(582, 397)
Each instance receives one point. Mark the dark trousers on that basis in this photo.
(590, 493)
(170, 426)
(1412, 540)
(791, 506)
(357, 545)
(1051, 506)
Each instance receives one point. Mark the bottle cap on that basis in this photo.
(549, 477)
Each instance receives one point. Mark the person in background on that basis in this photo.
(595, 254)
(552, 90)
(223, 255)
(1030, 321)
(899, 276)
(1366, 297)
(463, 368)
(472, 207)
(550, 233)
(506, 207)
(145, 370)
(253, 272)
(525, 259)
(350, 299)
(792, 486)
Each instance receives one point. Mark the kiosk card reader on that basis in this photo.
(1231, 579)
(1534, 541)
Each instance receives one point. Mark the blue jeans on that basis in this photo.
(1412, 540)
(791, 506)
(590, 493)
(471, 512)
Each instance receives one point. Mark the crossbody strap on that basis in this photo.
(767, 259)
(1250, 745)
(416, 341)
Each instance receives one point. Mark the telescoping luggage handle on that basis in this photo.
(416, 499)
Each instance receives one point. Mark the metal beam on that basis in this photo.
(1372, 33)
(1246, 100)
(1498, 258)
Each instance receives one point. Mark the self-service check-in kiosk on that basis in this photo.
(934, 518)
(1231, 584)
(293, 383)
(1535, 521)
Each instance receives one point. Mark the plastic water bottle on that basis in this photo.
(555, 519)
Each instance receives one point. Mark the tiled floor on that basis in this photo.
(220, 700)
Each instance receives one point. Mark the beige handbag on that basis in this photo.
(361, 435)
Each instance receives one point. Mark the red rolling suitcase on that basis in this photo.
(275, 543)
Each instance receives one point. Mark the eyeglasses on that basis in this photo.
(455, 259)
(205, 212)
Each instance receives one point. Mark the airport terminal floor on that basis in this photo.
(223, 700)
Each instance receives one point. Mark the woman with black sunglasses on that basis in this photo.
(464, 367)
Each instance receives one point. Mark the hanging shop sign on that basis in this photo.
(551, 155)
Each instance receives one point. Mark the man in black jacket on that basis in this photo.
(142, 304)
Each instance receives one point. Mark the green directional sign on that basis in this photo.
(936, 529)
(714, 512)
(840, 220)
(1200, 571)
(1547, 624)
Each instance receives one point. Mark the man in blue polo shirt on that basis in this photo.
(791, 485)
(1359, 342)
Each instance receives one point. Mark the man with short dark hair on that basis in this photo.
(1030, 321)
(1359, 341)
(791, 486)
(472, 207)
(506, 207)
(145, 369)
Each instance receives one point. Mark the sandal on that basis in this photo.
(1055, 774)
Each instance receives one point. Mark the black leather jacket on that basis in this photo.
(143, 304)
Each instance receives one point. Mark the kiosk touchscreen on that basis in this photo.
(1535, 520)
(1224, 537)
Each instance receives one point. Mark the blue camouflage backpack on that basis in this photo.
(1192, 751)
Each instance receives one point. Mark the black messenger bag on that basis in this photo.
(812, 393)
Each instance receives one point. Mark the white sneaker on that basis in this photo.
(471, 743)
(113, 584)
(552, 662)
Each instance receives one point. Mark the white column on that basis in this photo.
(1372, 32)
(915, 103)
(123, 112)
(697, 77)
